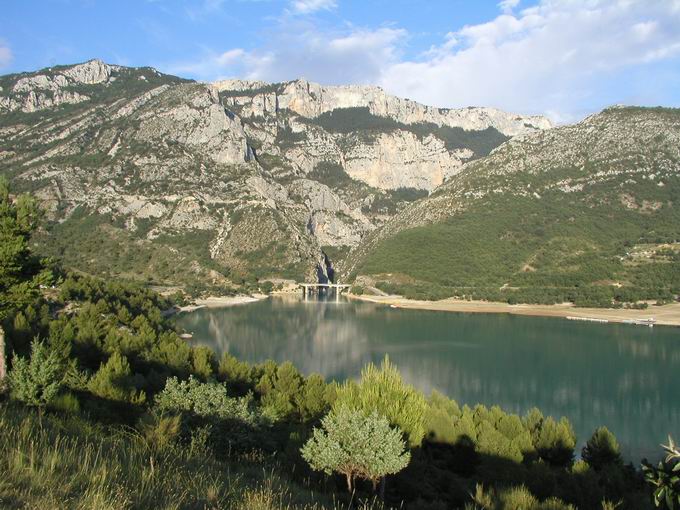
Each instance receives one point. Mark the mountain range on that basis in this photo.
(154, 177)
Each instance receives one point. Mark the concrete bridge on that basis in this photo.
(308, 288)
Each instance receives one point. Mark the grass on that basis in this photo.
(51, 461)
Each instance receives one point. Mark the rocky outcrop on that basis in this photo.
(402, 160)
(90, 73)
(53, 86)
(311, 100)
(403, 151)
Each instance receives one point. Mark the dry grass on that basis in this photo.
(48, 462)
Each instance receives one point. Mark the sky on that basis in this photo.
(560, 58)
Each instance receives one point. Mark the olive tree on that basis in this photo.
(357, 446)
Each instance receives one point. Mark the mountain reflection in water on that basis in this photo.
(622, 376)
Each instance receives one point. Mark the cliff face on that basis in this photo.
(311, 100)
(148, 174)
(381, 140)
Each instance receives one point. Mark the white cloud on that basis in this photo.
(564, 58)
(355, 56)
(555, 57)
(508, 5)
(6, 55)
(310, 6)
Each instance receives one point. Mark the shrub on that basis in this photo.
(114, 381)
(554, 441)
(208, 400)
(203, 362)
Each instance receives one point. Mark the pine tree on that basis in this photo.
(17, 268)
(36, 381)
(602, 449)
(113, 381)
(356, 446)
(382, 390)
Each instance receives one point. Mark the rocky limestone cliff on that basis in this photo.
(410, 151)
(311, 100)
(145, 174)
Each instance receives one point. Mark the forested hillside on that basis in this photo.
(588, 213)
(108, 407)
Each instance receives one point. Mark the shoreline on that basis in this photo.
(666, 315)
(219, 302)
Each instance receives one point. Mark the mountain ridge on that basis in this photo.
(167, 173)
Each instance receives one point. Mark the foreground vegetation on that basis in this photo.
(108, 407)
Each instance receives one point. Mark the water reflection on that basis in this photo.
(621, 376)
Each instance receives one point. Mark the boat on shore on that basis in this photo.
(641, 322)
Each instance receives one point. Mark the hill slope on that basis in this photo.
(150, 176)
(588, 213)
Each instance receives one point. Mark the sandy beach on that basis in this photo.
(220, 302)
(667, 315)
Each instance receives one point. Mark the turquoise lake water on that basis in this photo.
(623, 376)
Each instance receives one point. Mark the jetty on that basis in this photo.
(587, 319)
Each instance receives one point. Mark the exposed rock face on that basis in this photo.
(311, 100)
(94, 71)
(40, 91)
(224, 181)
(401, 160)
(406, 153)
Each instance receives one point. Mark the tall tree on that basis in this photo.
(382, 390)
(602, 449)
(18, 269)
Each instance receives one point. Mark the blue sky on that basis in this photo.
(562, 58)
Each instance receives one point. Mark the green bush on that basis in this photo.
(115, 381)
(208, 400)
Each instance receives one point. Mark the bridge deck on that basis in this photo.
(330, 285)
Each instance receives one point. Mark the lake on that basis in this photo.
(623, 376)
